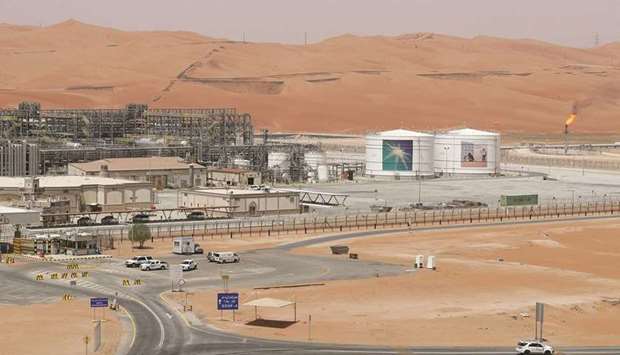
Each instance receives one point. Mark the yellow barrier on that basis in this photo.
(39, 277)
(73, 266)
(74, 275)
(137, 282)
(64, 275)
(67, 297)
(126, 282)
(54, 276)
(84, 273)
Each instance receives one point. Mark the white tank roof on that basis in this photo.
(471, 132)
(402, 133)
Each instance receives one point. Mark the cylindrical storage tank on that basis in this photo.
(241, 163)
(467, 151)
(279, 159)
(314, 159)
(322, 173)
(399, 153)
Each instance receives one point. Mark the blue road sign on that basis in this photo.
(97, 302)
(227, 301)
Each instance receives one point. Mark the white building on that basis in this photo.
(236, 202)
(467, 151)
(399, 153)
(80, 191)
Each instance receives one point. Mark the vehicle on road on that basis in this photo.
(211, 256)
(154, 265)
(137, 261)
(196, 216)
(223, 257)
(534, 347)
(186, 245)
(141, 218)
(109, 220)
(84, 221)
(188, 265)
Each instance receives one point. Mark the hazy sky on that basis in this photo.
(570, 22)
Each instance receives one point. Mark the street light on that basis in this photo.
(446, 148)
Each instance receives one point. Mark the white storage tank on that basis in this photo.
(314, 159)
(399, 153)
(467, 151)
(279, 159)
(241, 163)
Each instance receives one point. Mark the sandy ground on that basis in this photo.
(163, 247)
(572, 267)
(424, 81)
(55, 329)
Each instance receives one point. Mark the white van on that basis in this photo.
(222, 257)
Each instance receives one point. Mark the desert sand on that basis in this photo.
(159, 247)
(55, 329)
(343, 84)
(482, 292)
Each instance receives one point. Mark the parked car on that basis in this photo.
(154, 265)
(140, 218)
(534, 347)
(196, 216)
(84, 221)
(223, 257)
(137, 261)
(109, 220)
(188, 265)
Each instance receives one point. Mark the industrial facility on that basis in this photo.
(243, 202)
(81, 192)
(467, 151)
(162, 172)
(399, 153)
(404, 154)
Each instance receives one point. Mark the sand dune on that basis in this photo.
(346, 83)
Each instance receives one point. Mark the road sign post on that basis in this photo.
(540, 316)
(176, 278)
(227, 301)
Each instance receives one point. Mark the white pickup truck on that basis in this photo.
(136, 261)
(154, 265)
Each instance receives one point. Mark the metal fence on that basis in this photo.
(310, 224)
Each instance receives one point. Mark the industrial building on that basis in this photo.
(53, 244)
(467, 151)
(223, 177)
(82, 192)
(19, 158)
(399, 154)
(162, 172)
(237, 202)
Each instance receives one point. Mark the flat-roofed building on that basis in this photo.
(81, 191)
(162, 172)
(242, 202)
(229, 177)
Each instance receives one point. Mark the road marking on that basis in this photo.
(169, 315)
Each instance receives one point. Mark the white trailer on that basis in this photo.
(183, 245)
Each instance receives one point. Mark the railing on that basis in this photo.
(310, 224)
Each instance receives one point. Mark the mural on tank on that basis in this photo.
(397, 155)
(473, 155)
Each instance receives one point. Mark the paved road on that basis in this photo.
(161, 330)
